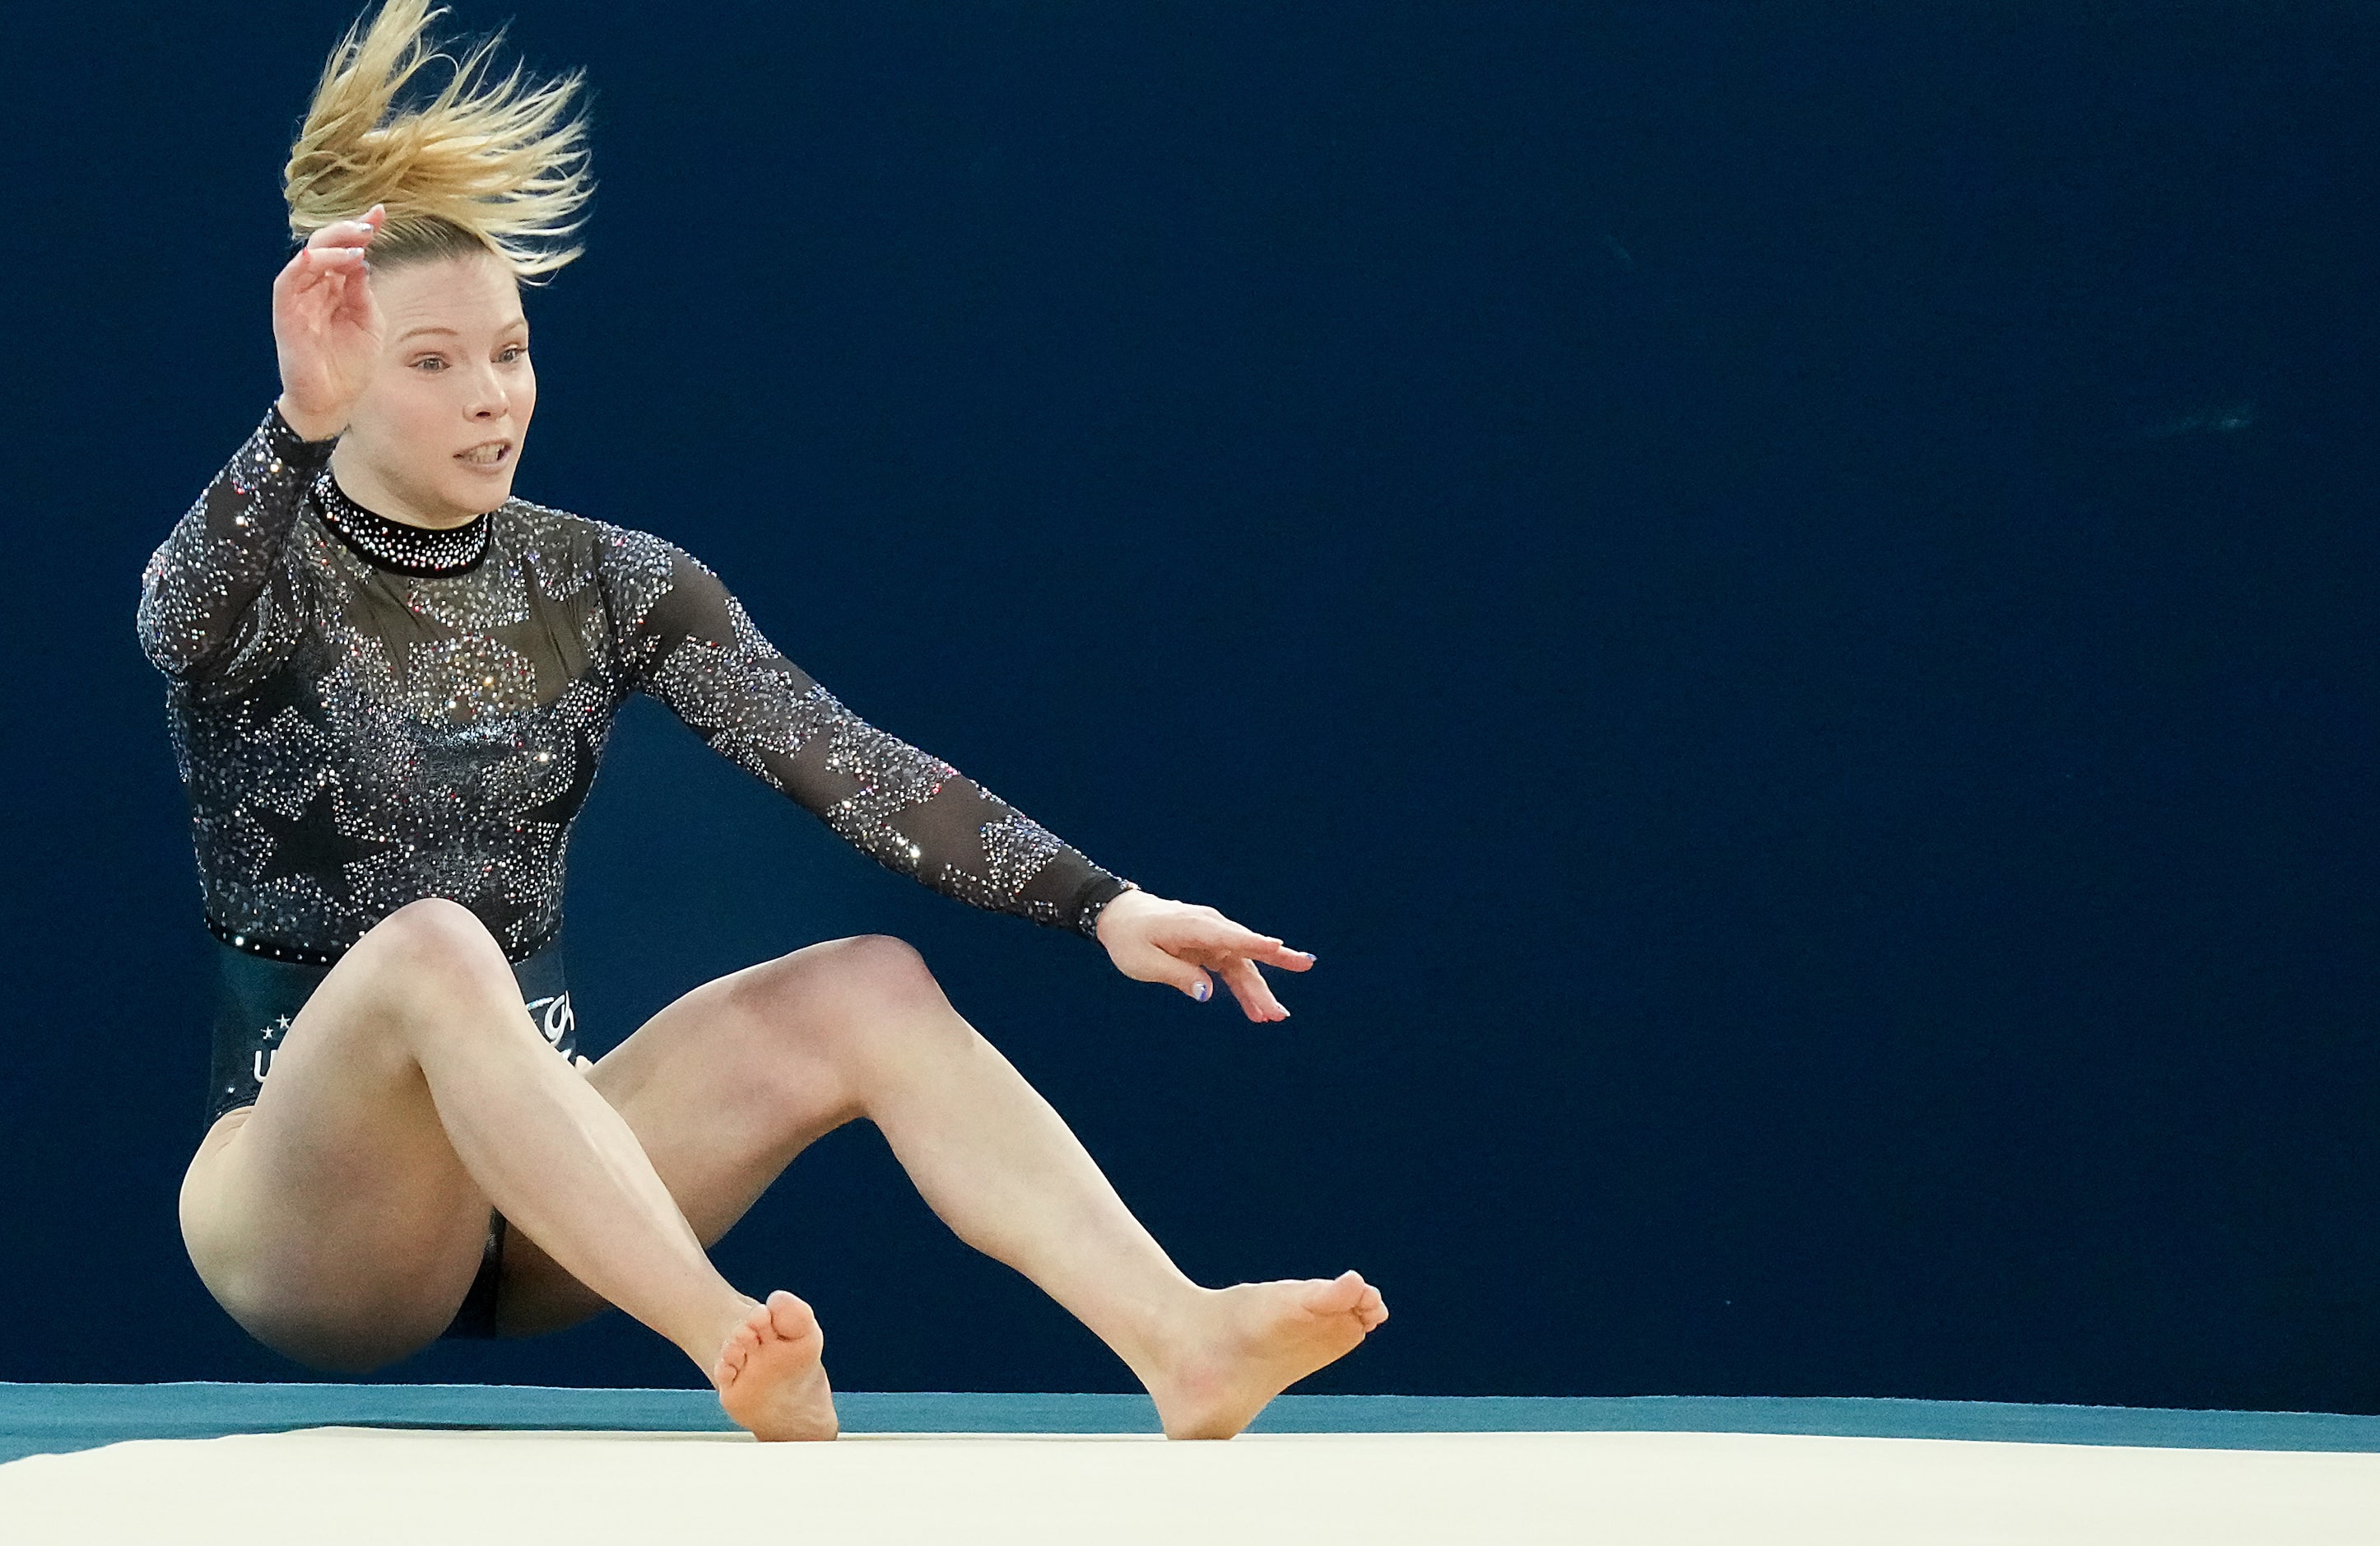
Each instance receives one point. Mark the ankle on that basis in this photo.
(1163, 1341)
(707, 1336)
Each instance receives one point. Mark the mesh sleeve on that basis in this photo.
(215, 599)
(687, 642)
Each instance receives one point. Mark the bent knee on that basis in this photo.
(874, 962)
(867, 980)
(431, 936)
(868, 969)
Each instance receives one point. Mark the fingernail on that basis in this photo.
(1201, 990)
(1307, 954)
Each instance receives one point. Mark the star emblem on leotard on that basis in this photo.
(311, 843)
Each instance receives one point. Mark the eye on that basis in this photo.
(431, 362)
(511, 352)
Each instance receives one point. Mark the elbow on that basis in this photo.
(156, 643)
(175, 651)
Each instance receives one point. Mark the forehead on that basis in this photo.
(469, 294)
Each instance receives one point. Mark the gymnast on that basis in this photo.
(389, 681)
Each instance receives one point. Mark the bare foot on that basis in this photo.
(769, 1375)
(1256, 1341)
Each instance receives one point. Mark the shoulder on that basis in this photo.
(568, 552)
(634, 569)
(533, 523)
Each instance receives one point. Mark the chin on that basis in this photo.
(481, 495)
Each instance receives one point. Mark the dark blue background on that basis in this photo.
(1785, 595)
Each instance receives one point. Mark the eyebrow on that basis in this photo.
(451, 332)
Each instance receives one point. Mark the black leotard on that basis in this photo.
(366, 713)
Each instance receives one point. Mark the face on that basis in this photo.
(436, 433)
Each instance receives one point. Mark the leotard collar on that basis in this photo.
(391, 544)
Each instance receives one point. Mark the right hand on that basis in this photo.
(327, 327)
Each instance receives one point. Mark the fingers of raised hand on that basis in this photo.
(336, 249)
(319, 272)
(343, 233)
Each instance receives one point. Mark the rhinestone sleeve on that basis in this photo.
(215, 606)
(683, 639)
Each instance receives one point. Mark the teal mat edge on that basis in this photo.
(49, 1419)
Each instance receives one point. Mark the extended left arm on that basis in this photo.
(688, 643)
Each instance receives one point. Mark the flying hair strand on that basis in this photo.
(493, 161)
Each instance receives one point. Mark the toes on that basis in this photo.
(1338, 1296)
(788, 1316)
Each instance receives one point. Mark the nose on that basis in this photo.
(488, 399)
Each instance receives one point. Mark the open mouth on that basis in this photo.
(488, 454)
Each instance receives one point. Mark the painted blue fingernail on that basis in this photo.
(1201, 990)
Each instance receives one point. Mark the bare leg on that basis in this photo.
(339, 1220)
(726, 1086)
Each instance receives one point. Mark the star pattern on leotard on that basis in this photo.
(313, 842)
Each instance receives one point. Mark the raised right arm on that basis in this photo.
(213, 598)
(215, 589)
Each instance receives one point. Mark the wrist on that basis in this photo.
(308, 424)
(1124, 905)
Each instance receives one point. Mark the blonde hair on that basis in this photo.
(487, 165)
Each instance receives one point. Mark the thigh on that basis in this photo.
(723, 1088)
(333, 1219)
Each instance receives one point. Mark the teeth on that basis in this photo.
(484, 456)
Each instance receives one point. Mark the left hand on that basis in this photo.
(1153, 940)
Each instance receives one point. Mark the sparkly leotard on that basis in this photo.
(366, 713)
